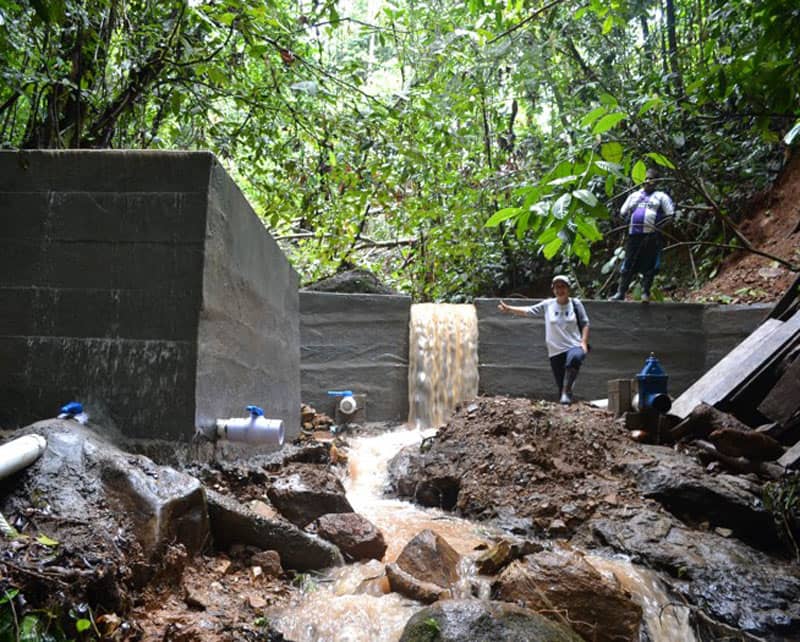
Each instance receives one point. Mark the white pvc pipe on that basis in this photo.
(20, 453)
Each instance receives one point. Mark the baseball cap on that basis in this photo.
(560, 277)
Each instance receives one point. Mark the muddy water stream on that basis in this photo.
(352, 603)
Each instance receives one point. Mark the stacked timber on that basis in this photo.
(745, 411)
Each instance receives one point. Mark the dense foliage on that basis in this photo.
(387, 134)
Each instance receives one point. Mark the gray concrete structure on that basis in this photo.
(687, 339)
(143, 283)
(357, 342)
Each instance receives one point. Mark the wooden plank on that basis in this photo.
(784, 308)
(732, 369)
(790, 457)
(784, 399)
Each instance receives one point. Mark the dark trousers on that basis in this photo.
(572, 358)
(642, 256)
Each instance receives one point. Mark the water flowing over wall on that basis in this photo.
(443, 361)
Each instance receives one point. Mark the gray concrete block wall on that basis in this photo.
(248, 335)
(357, 342)
(513, 357)
(103, 277)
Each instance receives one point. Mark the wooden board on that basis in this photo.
(734, 368)
(790, 458)
(784, 399)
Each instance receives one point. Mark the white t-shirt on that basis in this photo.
(560, 323)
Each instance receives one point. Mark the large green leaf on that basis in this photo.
(607, 122)
(502, 215)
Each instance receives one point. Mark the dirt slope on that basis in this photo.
(774, 228)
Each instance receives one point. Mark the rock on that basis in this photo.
(81, 475)
(231, 522)
(269, 562)
(352, 281)
(704, 420)
(731, 582)
(562, 580)
(263, 509)
(483, 621)
(356, 536)
(303, 493)
(426, 569)
(503, 553)
(683, 487)
(414, 588)
(750, 444)
(429, 480)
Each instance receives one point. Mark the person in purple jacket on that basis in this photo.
(646, 210)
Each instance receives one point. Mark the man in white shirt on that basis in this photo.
(647, 210)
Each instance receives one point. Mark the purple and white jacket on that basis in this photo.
(647, 211)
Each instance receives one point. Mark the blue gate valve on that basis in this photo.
(653, 386)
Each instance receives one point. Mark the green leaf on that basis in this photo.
(561, 206)
(592, 116)
(649, 104)
(588, 229)
(608, 24)
(548, 235)
(586, 196)
(608, 122)
(566, 180)
(552, 248)
(639, 172)
(612, 152)
(502, 215)
(580, 248)
(83, 625)
(660, 159)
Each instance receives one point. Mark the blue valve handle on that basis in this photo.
(340, 393)
(255, 411)
(72, 408)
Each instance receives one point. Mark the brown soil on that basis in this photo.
(553, 464)
(773, 228)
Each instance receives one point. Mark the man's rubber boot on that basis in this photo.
(570, 374)
(624, 282)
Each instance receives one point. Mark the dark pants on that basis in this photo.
(642, 256)
(572, 358)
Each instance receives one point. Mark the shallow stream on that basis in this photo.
(353, 603)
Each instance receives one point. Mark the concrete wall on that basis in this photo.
(357, 342)
(114, 267)
(686, 338)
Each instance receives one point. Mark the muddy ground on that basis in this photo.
(548, 465)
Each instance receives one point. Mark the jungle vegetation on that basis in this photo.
(454, 147)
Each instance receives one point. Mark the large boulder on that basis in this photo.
(428, 479)
(356, 536)
(116, 520)
(687, 491)
(234, 523)
(426, 569)
(729, 581)
(81, 475)
(355, 281)
(561, 580)
(483, 621)
(305, 492)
